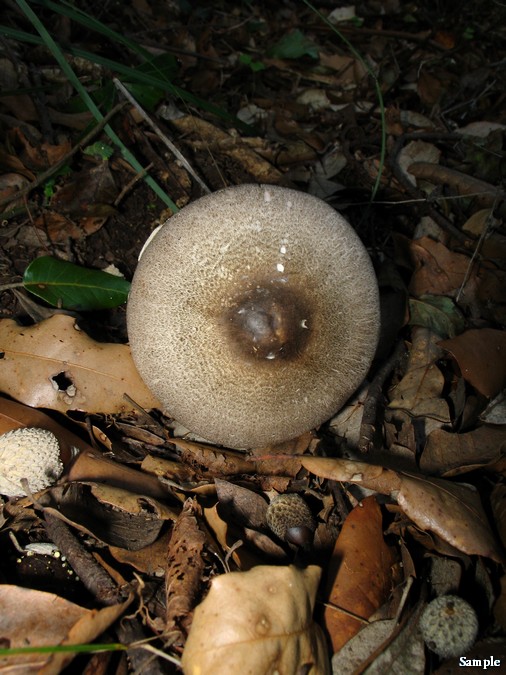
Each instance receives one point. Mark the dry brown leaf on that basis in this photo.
(223, 462)
(370, 476)
(384, 647)
(184, 571)
(87, 193)
(258, 621)
(490, 293)
(360, 647)
(430, 88)
(416, 151)
(481, 355)
(167, 469)
(110, 514)
(453, 511)
(438, 270)
(360, 573)
(498, 505)
(150, 560)
(451, 454)
(241, 505)
(55, 365)
(91, 466)
(419, 391)
(38, 157)
(29, 617)
(500, 605)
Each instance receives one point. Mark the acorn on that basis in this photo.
(449, 626)
(291, 520)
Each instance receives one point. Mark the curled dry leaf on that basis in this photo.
(22, 623)
(112, 515)
(383, 647)
(451, 510)
(258, 621)
(203, 135)
(371, 476)
(484, 194)
(55, 365)
(451, 454)
(481, 355)
(91, 466)
(419, 391)
(360, 573)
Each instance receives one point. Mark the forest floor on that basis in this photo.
(395, 115)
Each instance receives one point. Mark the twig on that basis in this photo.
(41, 178)
(93, 576)
(368, 426)
(413, 191)
(126, 189)
(119, 85)
(478, 247)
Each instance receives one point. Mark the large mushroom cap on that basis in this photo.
(254, 314)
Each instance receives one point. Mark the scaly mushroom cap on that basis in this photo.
(31, 453)
(254, 314)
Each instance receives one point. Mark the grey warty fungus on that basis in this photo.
(449, 626)
(253, 314)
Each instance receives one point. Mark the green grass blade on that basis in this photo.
(79, 16)
(133, 74)
(74, 80)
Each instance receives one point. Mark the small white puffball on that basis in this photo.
(30, 453)
(449, 626)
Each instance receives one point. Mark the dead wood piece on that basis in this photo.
(93, 576)
(185, 569)
(485, 194)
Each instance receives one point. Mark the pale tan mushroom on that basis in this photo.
(254, 314)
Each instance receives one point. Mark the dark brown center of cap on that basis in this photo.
(270, 323)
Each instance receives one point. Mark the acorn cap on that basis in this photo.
(30, 453)
(449, 626)
(253, 315)
(290, 518)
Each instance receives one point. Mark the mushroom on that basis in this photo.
(31, 453)
(449, 626)
(290, 518)
(253, 314)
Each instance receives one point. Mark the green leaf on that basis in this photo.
(255, 65)
(294, 45)
(438, 313)
(63, 284)
(100, 150)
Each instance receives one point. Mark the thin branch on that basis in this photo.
(119, 85)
